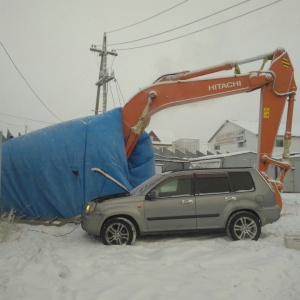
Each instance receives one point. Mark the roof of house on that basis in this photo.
(252, 126)
(222, 155)
(162, 136)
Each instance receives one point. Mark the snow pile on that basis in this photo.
(48, 262)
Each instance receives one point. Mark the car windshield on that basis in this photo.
(146, 185)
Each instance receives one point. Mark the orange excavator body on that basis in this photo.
(277, 86)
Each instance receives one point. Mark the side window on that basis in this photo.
(175, 187)
(212, 185)
(241, 181)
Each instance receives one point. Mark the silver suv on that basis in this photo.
(237, 200)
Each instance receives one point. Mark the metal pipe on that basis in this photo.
(255, 58)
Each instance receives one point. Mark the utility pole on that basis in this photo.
(104, 77)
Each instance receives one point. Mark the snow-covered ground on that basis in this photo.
(41, 262)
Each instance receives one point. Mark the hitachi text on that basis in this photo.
(227, 85)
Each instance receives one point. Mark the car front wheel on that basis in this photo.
(118, 231)
(243, 225)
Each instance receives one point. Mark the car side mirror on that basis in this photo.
(152, 195)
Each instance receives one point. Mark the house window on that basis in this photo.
(217, 147)
(241, 144)
(279, 143)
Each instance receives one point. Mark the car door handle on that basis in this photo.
(187, 201)
(230, 198)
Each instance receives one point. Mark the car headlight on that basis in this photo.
(90, 207)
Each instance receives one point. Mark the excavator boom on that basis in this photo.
(277, 85)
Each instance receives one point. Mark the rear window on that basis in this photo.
(241, 181)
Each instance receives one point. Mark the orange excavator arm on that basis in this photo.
(277, 86)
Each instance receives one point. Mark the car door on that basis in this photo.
(212, 194)
(174, 206)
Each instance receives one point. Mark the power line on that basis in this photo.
(170, 30)
(26, 119)
(118, 94)
(215, 25)
(147, 18)
(14, 125)
(112, 95)
(28, 83)
(119, 89)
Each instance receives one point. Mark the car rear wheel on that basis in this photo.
(118, 231)
(243, 225)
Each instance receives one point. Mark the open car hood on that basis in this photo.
(97, 170)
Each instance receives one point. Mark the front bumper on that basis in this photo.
(91, 223)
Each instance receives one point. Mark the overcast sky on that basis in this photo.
(49, 43)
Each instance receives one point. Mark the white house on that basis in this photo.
(235, 136)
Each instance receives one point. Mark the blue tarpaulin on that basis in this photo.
(48, 172)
